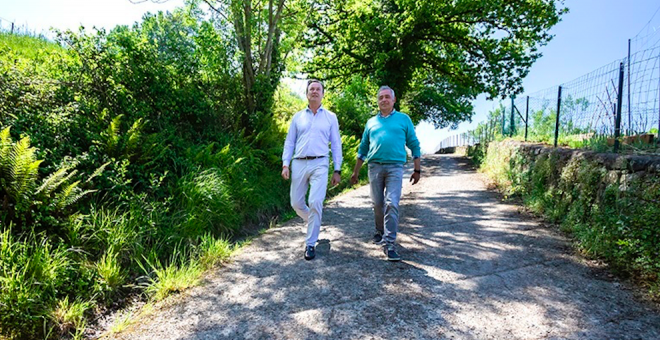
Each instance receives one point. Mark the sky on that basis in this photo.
(40, 15)
(594, 33)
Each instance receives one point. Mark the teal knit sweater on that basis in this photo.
(385, 138)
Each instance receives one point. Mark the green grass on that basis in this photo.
(165, 202)
(180, 273)
(33, 270)
(122, 322)
(111, 274)
(612, 216)
(69, 317)
(28, 46)
(212, 251)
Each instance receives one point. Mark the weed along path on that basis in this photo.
(473, 268)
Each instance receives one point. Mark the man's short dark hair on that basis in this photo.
(311, 81)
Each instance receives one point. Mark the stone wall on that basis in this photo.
(620, 168)
(609, 202)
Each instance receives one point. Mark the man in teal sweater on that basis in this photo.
(383, 146)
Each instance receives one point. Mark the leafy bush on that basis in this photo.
(122, 155)
(611, 215)
(354, 105)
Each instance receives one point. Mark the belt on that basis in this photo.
(309, 157)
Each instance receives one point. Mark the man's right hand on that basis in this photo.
(285, 172)
(354, 179)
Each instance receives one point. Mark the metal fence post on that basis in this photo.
(629, 131)
(492, 131)
(557, 121)
(617, 126)
(503, 122)
(512, 129)
(526, 117)
(12, 28)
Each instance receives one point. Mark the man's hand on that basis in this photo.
(356, 171)
(336, 178)
(285, 172)
(354, 178)
(415, 177)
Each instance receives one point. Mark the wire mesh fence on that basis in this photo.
(7, 26)
(463, 139)
(616, 102)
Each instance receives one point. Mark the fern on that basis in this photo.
(19, 172)
(69, 195)
(5, 149)
(5, 145)
(22, 170)
(112, 134)
(133, 135)
(97, 172)
(53, 181)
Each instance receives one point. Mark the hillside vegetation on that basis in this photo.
(132, 159)
(122, 169)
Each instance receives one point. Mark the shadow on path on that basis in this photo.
(473, 269)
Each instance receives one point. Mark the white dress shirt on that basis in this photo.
(309, 135)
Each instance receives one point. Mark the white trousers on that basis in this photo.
(313, 175)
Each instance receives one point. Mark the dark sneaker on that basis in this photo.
(310, 253)
(378, 238)
(391, 253)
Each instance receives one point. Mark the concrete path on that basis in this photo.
(473, 268)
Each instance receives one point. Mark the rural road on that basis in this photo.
(473, 268)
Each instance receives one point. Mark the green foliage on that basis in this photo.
(23, 201)
(28, 46)
(212, 251)
(491, 129)
(111, 274)
(611, 215)
(128, 154)
(286, 102)
(354, 105)
(476, 153)
(207, 202)
(350, 146)
(32, 271)
(265, 33)
(69, 317)
(179, 274)
(437, 55)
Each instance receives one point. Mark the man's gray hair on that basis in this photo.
(385, 87)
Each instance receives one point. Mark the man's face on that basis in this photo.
(314, 92)
(386, 100)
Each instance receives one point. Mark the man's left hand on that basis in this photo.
(415, 177)
(336, 178)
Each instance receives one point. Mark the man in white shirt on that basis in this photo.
(306, 150)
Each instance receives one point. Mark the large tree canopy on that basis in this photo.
(437, 55)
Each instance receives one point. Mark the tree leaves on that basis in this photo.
(437, 55)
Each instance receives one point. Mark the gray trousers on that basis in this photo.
(386, 181)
